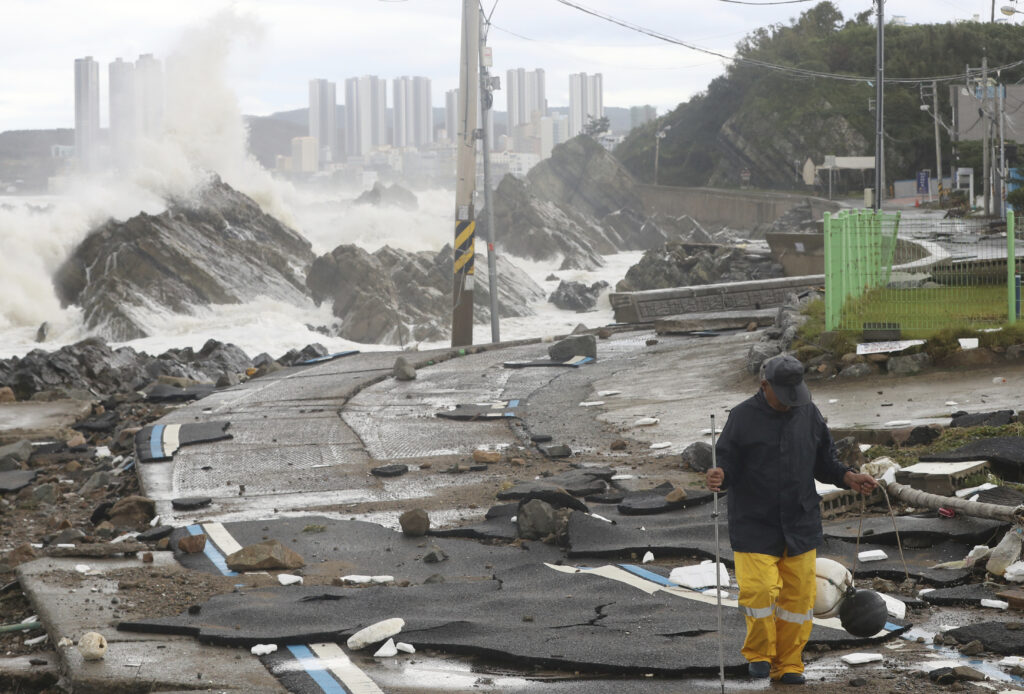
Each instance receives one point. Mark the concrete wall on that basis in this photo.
(739, 209)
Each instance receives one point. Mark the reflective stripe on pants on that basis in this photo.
(777, 599)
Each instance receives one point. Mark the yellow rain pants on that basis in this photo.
(777, 598)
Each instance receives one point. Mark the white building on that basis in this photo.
(87, 112)
(586, 100)
(413, 112)
(366, 104)
(554, 130)
(453, 122)
(149, 96)
(322, 127)
(305, 151)
(123, 120)
(525, 96)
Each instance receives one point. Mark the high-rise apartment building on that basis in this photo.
(525, 96)
(586, 100)
(365, 114)
(87, 112)
(638, 115)
(123, 121)
(322, 127)
(453, 121)
(149, 96)
(305, 155)
(413, 111)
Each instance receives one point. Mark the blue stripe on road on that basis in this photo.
(315, 669)
(156, 441)
(649, 575)
(513, 403)
(212, 553)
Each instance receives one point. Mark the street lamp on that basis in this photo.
(659, 136)
(1010, 10)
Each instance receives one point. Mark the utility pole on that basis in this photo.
(1002, 152)
(486, 100)
(938, 142)
(465, 178)
(879, 109)
(986, 174)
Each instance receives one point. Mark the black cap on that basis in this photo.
(785, 373)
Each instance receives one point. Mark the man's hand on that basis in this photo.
(714, 478)
(860, 482)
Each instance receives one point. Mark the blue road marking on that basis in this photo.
(156, 441)
(315, 669)
(513, 403)
(212, 553)
(649, 575)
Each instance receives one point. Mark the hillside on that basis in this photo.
(770, 121)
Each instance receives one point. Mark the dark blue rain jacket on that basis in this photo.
(771, 460)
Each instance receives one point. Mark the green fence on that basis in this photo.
(919, 274)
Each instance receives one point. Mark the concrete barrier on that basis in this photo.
(739, 209)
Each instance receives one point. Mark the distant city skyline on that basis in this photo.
(276, 47)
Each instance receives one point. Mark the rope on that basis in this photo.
(860, 525)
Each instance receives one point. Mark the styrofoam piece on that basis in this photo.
(1011, 661)
(289, 579)
(594, 515)
(952, 403)
(388, 650)
(383, 578)
(942, 468)
(973, 490)
(872, 555)
(103, 452)
(713, 591)
(608, 393)
(592, 403)
(997, 604)
(833, 401)
(700, 576)
(864, 447)
(861, 658)
(661, 444)
(924, 591)
(36, 640)
(622, 476)
(405, 647)
(897, 423)
(1015, 572)
(263, 648)
(895, 607)
(82, 568)
(375, 633)
(357, 579)
(648, 558)
(155, 522)
(646, 422)
(968, 342)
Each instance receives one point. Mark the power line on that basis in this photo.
(779, 2)
(801, 72)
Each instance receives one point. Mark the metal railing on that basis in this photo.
(919, 275)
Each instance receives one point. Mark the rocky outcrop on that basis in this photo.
(388, 196)
(397, 297)
(579, 204)
(688, 264)
(576, 296)
(217, 247)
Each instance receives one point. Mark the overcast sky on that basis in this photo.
(284, 43)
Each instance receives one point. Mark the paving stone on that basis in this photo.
(1004, 453)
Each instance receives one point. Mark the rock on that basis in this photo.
(683, 264)
(908, 365)
(267, 555)
(415, 523)
(395, 470)
(556, 450)
(576, 296)
(436, 555)
(968, 674)
(921, 436)
(849, 452)
(16, 453)
(192, 544)
(19, 555)
(45, 493)
(227, 379)
(388, 196)
(191, 503)
(759, 353)
(967, 358)
(484, 456)
(6, 394)
(175, 260)
(975, 647)
(675, 496)
(1015, 352)
(92, 646)
(535, 520)
(403, 370)
(573, 346)
(155, 534)
(983, 419)
(859, 370)
(697, 456)
(132, 512)
(98, 480)
(77, 440)
(619, 445)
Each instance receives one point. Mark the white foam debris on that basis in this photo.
(388, 650)
(864, 447)
(833, 401)
(608, 393)
(952, 403)
(924, 591)
(646, 422)
(383, 578)
(356, 579)
(405, 647)
(998, 379)
(375, 633)
(997, 604)
(263, 648)
(594, 515)
(968, 342)
(622, 476)
(591, 403)
(973, 490)
(36, 640)
(289, 579)
(155, 522)
(1015, 572)
(895, 607)
(29, 620)
(65, 642)
(661, 444)
(872, 555)
(103, 452)
(897, 423)
(648, 558)
(82, 568)
(700, 576)
(861, 658)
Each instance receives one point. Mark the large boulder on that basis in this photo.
(216, 247)
(388, 196)
(679, 264)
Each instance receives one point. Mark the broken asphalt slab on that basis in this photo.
(1004, 638)
(1004, 453)
(159, 443)
(531, 614)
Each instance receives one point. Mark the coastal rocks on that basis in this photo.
(388, 196)
(216, 247)
(264, 556)
(393, 296)
(679, 264)
(576, 296)
(574, 346)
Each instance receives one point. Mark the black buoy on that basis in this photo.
(863, 613)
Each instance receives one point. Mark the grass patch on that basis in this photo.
(949, 440)
(920, 312)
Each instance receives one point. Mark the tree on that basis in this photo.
(596, 126)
